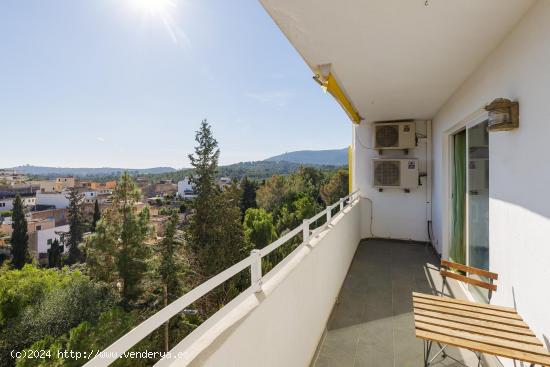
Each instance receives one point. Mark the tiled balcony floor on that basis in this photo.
(372, 323)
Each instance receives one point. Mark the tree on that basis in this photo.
(170, 267)
(248, 197)
(19, 237)
(273, 193)
(215, 232)
(336, 188)
(117, 251)
(231, 244)
(134, 229)
(170, 260)
(292, 214)
(54, 255)
(76, 226)
(35, 303)
(201, 234)
(94, 334)
(307, 180)
(97, 215)
(259, 229)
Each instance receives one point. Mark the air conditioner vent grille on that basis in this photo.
(387, 136)
(387, 173)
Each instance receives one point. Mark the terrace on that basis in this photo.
(343, 301)
(372, 323)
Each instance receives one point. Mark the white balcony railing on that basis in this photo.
(254, 261)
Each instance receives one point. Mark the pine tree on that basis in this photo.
(54, 255)
(170, 267)
(336, 188)
(215, 232)
(170, 261)
(201, 234)
(248, 198)
(76, 226)
(96, 217)
(19, 238)
(117, 251)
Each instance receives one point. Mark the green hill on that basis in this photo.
(332, 157)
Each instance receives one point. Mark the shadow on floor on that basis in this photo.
(372, 322)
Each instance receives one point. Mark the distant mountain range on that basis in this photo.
(102, 171)
(284, 163)
(333, 157)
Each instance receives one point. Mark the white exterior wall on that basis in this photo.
(44, 235)
(395, 214)
(58, 199)
(282, 325)
(185, 185)
(90, 196)
(29, 201)
(6, 204)
(519, 206)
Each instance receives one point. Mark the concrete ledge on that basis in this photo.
(282, 325)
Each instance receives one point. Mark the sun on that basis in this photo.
(164, 12)
(154, 7)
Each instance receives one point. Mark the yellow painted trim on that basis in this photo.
(350, 169)
(331, 86)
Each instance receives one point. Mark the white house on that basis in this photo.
(57, 199)
(90, 196)
(6, 202)
(45, 237)
(186, 188)
(431, 160)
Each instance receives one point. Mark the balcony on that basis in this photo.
(372, 322)
(336, 300)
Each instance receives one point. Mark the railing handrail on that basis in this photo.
(134, 336)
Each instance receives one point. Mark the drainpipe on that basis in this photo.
(429, 170)
(429, 164)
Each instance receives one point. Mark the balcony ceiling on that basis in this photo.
(397, 59)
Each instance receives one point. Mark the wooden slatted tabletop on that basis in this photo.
(488, 329)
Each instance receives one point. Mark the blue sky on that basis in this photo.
(93, 83)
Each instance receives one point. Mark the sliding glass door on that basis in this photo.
(478, 196)
(470, 197)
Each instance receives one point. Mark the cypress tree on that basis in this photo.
(248, 198)
(97, 216)
(76, 226)
(54, 255)
(19, 238)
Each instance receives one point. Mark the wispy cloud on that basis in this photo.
(279, 98)
(100, 139)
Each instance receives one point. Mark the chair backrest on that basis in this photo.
(447, 266)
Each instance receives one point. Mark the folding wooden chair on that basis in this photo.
(445, 271)
(447, 266)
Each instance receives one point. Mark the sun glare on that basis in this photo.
(164, 11)
(154, 7)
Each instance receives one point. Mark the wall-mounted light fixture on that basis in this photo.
(503, 115)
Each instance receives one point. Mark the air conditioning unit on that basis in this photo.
(395, 173)
(394, 135)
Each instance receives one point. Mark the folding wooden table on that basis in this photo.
(481, 328)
